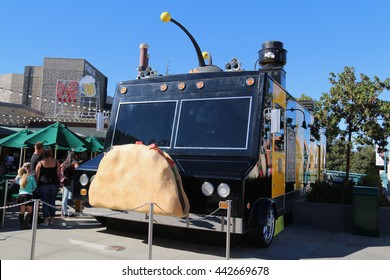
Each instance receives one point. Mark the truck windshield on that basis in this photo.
(149, 122)
(214, 123)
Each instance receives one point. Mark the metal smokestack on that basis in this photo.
(143, 58)
(272, 58)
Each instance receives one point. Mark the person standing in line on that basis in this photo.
(21, 171)
(78, 204)
(14, 188)
(36, 157)
(27, 186)
(9, 162)
(66, 184)
(48, 176)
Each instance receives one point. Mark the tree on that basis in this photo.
(353, 111)
(304, 97)
(335, 155)
(363, 160)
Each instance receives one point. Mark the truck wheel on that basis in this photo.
(263, 234)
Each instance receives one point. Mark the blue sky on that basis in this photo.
(320, 36)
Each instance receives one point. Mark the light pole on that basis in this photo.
(304, 118)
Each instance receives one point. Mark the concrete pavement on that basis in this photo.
(83, 238)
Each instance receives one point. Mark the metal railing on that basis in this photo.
(223, 205)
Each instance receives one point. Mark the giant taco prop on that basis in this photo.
(133, 175)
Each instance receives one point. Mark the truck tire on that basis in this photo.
(263, 233)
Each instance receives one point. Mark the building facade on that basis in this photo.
(62, 88)
(9, 85)
(71, 88)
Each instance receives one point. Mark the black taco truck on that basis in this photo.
(234, 135)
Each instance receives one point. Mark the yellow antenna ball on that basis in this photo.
(205, 55)
(165, 17)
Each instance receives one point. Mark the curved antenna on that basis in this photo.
(166, 17)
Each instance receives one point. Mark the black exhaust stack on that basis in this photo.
(272, 58)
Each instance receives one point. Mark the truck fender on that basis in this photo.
(258, 214)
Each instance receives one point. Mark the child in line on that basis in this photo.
(14, 188)
(21, 171)
(27, 186)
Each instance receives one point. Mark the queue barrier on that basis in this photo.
(58, 197)
(226, 205)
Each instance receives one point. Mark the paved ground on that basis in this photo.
(83, 238)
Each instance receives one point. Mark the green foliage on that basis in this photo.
(335, 155)
(363, 160)
(372, 180)
(326, 193)
(353, 113)
(304, 97)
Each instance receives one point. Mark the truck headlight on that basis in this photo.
(84, 180)
(207, 188)
(223, 190)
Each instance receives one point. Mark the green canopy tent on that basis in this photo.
(95, 145)
(59, 136)
(16, 140)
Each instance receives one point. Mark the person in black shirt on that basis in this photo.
(48, 176)
(36, 157)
